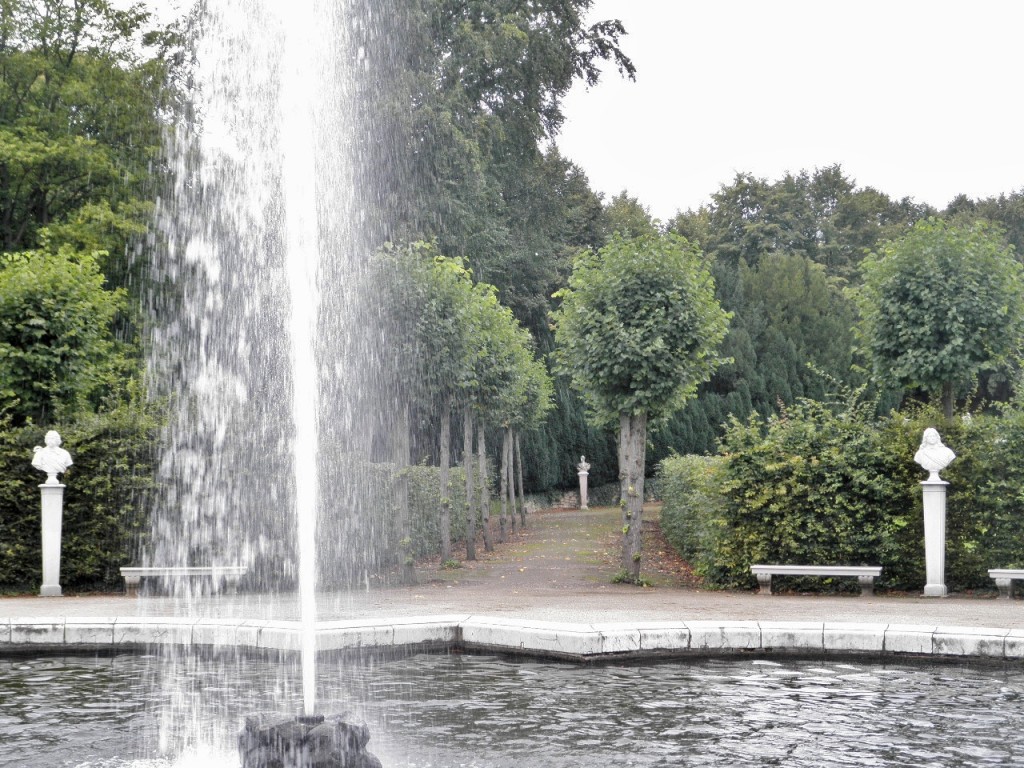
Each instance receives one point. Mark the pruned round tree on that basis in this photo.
(941, 305)
(637, 330)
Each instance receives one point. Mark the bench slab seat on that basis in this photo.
(225, 577)
(866, 574)
(1004, 578)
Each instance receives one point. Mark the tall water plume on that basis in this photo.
(248, 307)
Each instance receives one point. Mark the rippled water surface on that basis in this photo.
(448, 711)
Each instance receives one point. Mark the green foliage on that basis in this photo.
(628, 217)
(78, 113)
(425, 503)
(941, 305)
(639, 326)
(781, 252)
(811, 486)
(820, 485)
(57, 353)
(457, 101)
(105, 502)
(692, 510)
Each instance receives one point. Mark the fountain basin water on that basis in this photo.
(490, 711)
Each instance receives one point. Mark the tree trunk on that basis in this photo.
(401, 460)
(503, 489)
(485, 497)
(467, 466)
(510, 483)
(519, 478)
(446, 491)
(632, 455)
(947, 400)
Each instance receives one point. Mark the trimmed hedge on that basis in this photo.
(107, 493)
(819, 484)
(111, 485)
(692, 509)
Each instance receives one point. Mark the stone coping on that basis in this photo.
(544, 639)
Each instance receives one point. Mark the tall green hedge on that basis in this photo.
(821, 484)
(108, 495)
(104, 503)
(691, 515)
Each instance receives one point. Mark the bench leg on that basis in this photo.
(1005, 587)
(231, 585)
(131, 585)
(764, 583)
(867, 585)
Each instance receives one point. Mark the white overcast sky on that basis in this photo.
(917, 98)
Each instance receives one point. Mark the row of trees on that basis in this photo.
(450, 349)
(786, 256)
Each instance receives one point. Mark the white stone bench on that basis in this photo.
(866, 574)
(225, 577)
(1004, 579)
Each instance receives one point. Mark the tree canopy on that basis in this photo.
(639, 326)
(941, 305)
(56, 353)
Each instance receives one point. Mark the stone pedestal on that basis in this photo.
(583, 489)
(276, 741)
(935, 537)
(53, 513)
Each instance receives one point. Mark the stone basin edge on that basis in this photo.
(525, 637)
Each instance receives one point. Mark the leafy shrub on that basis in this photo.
(691, 515)
(105, 501)
(820, 484)
(810, 486)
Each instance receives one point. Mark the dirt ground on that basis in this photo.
(563, 549)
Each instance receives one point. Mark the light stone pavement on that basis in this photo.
(604, 603)
(609, 622)
(548, 590)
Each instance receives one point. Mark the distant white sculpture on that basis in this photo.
(933, 455)
(583, 470)
(52, 459)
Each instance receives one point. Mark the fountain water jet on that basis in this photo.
(261, 178)
(303, 257)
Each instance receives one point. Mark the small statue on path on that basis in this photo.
(933, 455)
(52, 459)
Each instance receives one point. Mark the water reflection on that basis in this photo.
(487, 712)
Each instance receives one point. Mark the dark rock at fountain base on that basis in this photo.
(276, 741)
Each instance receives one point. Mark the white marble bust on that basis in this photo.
(583, 466)
(933, 455)
(52, 459)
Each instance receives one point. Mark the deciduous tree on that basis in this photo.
(940, 305)
(57, 352)
(637, 330)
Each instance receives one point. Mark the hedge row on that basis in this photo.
(821, 484)
(108, 489)
(363, 530)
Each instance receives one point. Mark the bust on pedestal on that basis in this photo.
(583, 470)
(53, 460)
(934, 457)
